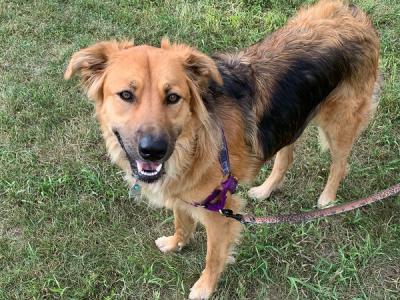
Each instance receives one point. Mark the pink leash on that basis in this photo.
(310, 215)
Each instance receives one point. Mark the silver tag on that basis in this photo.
(135, 190)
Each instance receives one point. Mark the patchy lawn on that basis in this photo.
(67, 227)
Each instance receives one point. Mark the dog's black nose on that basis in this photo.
(152, 148)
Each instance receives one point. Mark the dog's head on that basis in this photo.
(146, 96)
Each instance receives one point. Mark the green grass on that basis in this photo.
(67, 227)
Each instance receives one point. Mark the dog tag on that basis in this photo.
(135, 190)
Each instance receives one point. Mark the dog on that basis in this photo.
(162, 111)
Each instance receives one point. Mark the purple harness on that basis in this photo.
(229, 185)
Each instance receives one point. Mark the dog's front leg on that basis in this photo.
(222, 232)
(184, 228)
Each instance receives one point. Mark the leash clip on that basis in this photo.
(229, 214)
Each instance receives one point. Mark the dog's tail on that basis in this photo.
(354, 10)
(361, 16)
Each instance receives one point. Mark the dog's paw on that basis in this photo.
(326, 200)
(265, 190)
(168, 244)
(259, 192)
(202, 289)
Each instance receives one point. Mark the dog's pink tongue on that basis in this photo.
(148, 166)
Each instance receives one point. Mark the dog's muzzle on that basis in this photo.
(148, 157)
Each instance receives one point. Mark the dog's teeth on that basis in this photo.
(149, 173)
(143, 171)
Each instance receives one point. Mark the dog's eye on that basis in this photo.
(173, 98)
(126, 96)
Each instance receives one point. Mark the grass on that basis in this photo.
(67, 227)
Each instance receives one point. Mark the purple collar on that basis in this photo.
(228, 185)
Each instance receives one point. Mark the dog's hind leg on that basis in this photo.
(340, 147)
(342, 120)
(283, 161)
(184, 228)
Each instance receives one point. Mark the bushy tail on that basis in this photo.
(354, 10)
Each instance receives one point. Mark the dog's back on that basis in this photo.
(281, 82)
(322, 66)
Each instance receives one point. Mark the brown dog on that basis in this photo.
(161, 111)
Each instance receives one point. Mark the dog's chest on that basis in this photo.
(156, 196)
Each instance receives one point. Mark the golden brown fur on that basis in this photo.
(210, 98)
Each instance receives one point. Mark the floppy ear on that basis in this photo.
(91, 63)
(200, 68)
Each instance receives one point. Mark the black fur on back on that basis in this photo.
(292, 91)
(237, 85)
(296, 95)
(238, 89)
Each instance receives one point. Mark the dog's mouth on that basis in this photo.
(148, 171)
(143, 170)
(148, 168)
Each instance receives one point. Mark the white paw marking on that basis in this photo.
(265, 190)
(167, 244)
(200, 291)
(259, 192)
(325, 201)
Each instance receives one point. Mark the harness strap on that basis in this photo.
(229, 185)
(224, 156)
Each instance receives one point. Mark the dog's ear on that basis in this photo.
(90, 63)
(200, 68)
